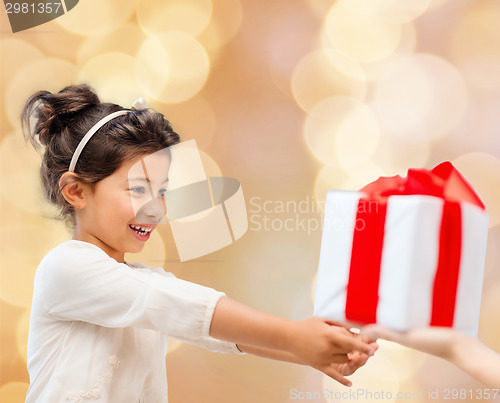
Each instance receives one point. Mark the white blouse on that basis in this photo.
(98, 328)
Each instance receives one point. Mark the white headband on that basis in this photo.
(138, 104)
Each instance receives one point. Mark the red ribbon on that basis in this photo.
(445, 182)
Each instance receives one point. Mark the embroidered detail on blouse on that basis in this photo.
(95, 391)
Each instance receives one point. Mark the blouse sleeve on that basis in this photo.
(212, 344)
(80, 282)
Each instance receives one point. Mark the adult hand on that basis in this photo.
(438, 341)
(466, 352)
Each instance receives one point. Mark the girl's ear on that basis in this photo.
(73, 189)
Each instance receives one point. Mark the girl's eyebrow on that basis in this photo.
(142, 178)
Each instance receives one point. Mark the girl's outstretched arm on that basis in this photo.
(466, 352)
(311, 342)
(355, 361)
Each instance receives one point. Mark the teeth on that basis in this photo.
(141, 230)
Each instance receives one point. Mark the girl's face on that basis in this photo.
(119, 214)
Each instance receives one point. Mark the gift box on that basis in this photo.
(404, 253)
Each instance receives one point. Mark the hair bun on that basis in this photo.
(53, 112)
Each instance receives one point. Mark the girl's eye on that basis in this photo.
(138, 190)
(162, 192)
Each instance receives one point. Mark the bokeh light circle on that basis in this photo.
(404, 142)
(25, 54)
(22, 334)
(286, 42)
(95, 17)
(14, 391)
(482, 75)
(39, 237)
(429, 86)
(489, 328)
(322, 124)
(211, 167)
(343, 131)
(55, 42)
(400, 120)
(189, 16)
(407, 361)
(126, 39)
(477, 32)
(394, 11)
(20, 180)
(319, 8)
(382, 377)
(361, 175)
(344, 64)
(171, 67)
(113, 77)
(482, 170)
(436, 4)
(202, 129)
(44, 74)
(328, 178)
(374, 71)
(361, 36)
(492, 256)
(357, 137)
(227, 17)
(9, 66)
(315, 78)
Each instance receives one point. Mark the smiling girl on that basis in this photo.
(99, 325)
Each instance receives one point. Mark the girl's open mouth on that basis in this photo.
(142, 233)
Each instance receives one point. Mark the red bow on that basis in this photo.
(443, 181)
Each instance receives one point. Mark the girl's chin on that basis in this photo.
(135, 249)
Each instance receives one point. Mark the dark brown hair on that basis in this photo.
(59, 121)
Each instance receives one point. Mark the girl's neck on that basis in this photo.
(84, 236)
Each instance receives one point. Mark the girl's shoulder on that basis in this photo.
(84, 254)
(73, 256)
(74, 250)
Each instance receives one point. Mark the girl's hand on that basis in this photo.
(356, 359)
(332, 350)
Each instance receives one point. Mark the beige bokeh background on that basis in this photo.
(292, 98)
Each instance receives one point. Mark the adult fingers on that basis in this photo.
(380, 332)
(367, 338)
(347, 342)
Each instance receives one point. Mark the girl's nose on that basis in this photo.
(153, 212)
